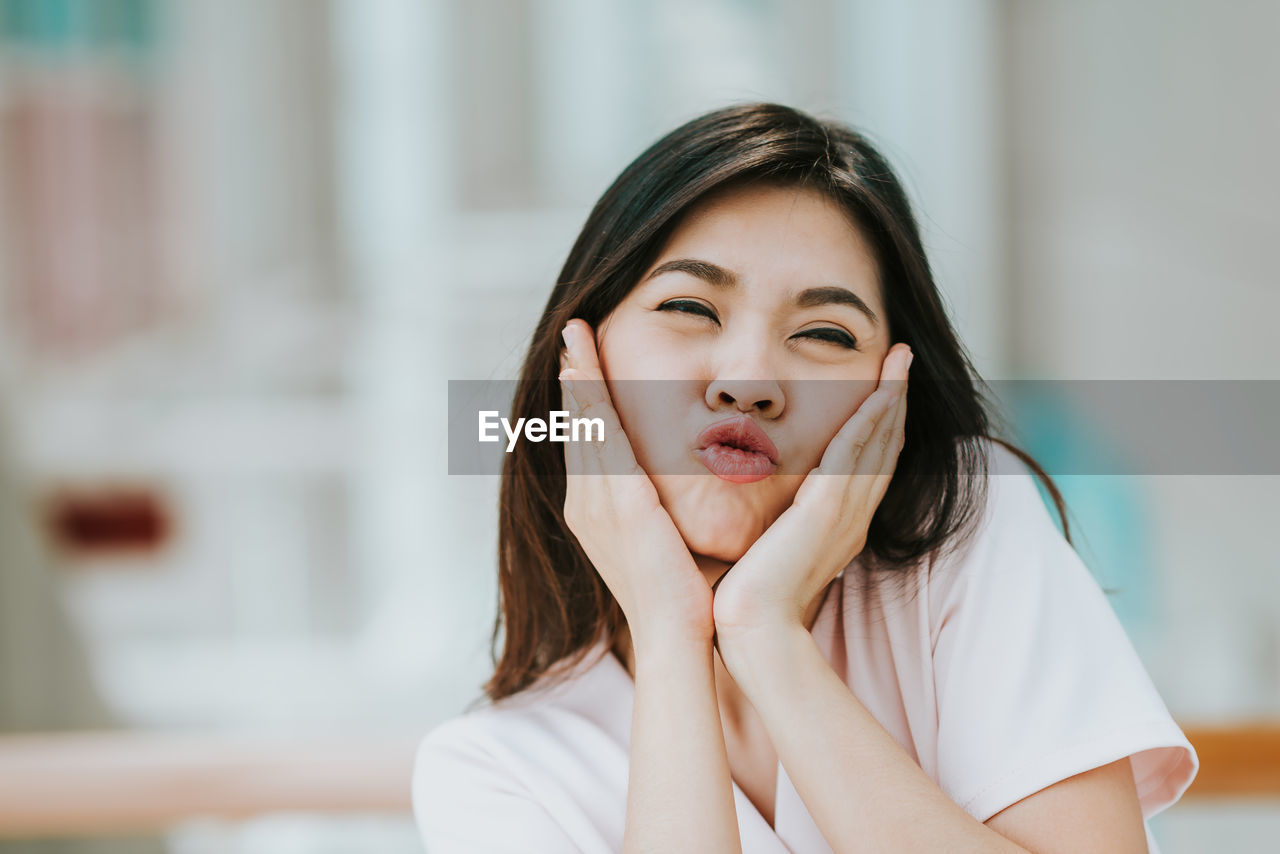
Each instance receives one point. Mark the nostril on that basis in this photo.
(721, 394)
(763, 405)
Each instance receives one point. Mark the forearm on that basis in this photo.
(863, 790)
(680, 793)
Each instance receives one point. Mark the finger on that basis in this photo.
(876, 466)
(575, 456)
(893, 373)
(879, 471)
(875, 470)
(881, 452)
(572, 453)
(580, 345)
(846, 448)
(894, 366)
(613, 454)
(580, 348)
(602, 446)
(900, 427)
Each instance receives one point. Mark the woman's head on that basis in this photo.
(811, 225)
(764, 306)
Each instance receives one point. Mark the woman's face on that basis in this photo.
(762, 293)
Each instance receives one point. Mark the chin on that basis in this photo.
(717, 539)
(716, 519)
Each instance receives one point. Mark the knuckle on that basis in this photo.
(615, 433)
(596, 408)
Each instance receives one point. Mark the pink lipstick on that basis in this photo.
(737, 450)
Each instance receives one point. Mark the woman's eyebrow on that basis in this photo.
(712, 274)
(721, 277)
(830, 294)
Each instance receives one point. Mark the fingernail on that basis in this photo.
(910, 355)
(564, 333)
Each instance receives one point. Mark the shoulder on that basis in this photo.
(1017, 577)
(484, 744)
(1035, 678)
(458, 752)
(1012, 501)
(1014, 541)
(515, 743)
(475, 787)
(544, 770)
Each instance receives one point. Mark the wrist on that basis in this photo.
(669, 635)
(751, 653)
(757, 621)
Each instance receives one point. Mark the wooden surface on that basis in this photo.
(82, 784)
(137, 782)
(1241, 760)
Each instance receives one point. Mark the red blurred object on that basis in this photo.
(108, 521)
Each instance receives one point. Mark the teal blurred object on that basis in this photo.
(54, 25)
(1108, 515)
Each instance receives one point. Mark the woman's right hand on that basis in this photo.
(613, 508)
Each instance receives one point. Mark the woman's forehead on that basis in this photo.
(770, 234)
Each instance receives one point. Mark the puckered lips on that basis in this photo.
(736, 449)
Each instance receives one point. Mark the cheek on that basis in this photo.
(655, 417)
(653, 389)
(632, 347)
(826, 407)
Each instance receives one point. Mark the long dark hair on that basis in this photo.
(552, 603)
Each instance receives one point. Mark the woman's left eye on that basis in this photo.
(688, 306)
(833, 336)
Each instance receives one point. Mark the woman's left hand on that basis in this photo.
(826, 525)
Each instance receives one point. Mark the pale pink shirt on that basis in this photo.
(1003, 673)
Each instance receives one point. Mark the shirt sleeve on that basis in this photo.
(1035, 678)
(464, 802)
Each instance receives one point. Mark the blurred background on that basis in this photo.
(244, 244)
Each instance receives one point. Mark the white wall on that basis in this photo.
(1142, 222)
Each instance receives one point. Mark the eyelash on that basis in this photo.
(838, 337)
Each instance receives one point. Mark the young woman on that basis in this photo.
(784, 606)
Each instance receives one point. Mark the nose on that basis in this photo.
(747, 383)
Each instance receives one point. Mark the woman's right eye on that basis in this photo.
(688, 306)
